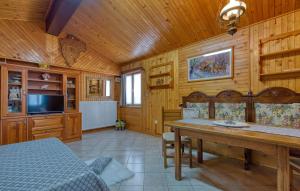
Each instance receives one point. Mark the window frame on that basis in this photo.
(105, 88)
(132, 89)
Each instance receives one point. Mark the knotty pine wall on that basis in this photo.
(282, 24)
(83, 87)
(27, 41)
(240, 81)
(245, 43)
(152, 101)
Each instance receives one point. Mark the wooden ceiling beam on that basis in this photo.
(59, 15)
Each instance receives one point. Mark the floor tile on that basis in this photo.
(131, 188)
(142, 154)
(136, 180)
(136, 167)
(157, 179)
(155, 188)
(181, 188)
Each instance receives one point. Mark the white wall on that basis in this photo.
(97, 114)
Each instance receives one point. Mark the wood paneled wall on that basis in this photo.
(240, 80)
(279, 25)
(154, 100)
(245, 44)
(83, 86)
(28, 41)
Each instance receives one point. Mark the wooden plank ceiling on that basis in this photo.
(127, 30)
(26, 10)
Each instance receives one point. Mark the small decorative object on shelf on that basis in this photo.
(159, 82)
(46, 76)
(120, 125)
(44, 87)
(14, 94)
(44, 65)
(14, 78)
(71, 96)
(70, 84)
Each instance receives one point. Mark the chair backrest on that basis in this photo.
(199, 101)
(231, 105)
(277, 106)
(170, 115)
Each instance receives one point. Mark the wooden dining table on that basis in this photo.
(272, 144)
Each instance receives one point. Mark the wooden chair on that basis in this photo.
(295, 167)
(168, 137)
(198, 97)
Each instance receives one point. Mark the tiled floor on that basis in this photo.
(142, 154)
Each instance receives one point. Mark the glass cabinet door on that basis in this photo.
(72, 94)
(14, 99)
(14, 92)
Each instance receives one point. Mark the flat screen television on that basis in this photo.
(41, 104)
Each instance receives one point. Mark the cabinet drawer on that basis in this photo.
(46, 123)
(47, 134)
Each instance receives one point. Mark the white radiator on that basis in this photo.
(97, 114)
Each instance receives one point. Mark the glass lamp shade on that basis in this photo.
(234, 9)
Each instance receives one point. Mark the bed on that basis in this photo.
(45, 165)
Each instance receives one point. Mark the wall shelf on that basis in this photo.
(281, 75)
(47, 81)
(161, 76)
(277, 55)
(36, 81)
(165, 86)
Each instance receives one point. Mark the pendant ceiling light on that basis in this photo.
(231, 13)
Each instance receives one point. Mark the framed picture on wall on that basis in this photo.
(94, 87)
(210, 66)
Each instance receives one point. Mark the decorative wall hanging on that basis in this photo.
(94, 87)
(71, 47)
(215, 65)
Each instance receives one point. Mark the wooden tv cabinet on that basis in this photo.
(17, 125)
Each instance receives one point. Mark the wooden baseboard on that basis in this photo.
(97, 129)
(72, 140)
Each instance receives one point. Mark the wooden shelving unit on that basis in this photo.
(277, 55)
(161, 76)
(38, 84)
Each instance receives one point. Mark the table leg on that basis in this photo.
(200, 150)
(177, 154)
(283, 169)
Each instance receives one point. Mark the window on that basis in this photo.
(107, 88)
(133, 89)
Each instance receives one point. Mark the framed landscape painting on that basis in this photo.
(214, 65)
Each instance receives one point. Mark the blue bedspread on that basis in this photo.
(45, 165)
